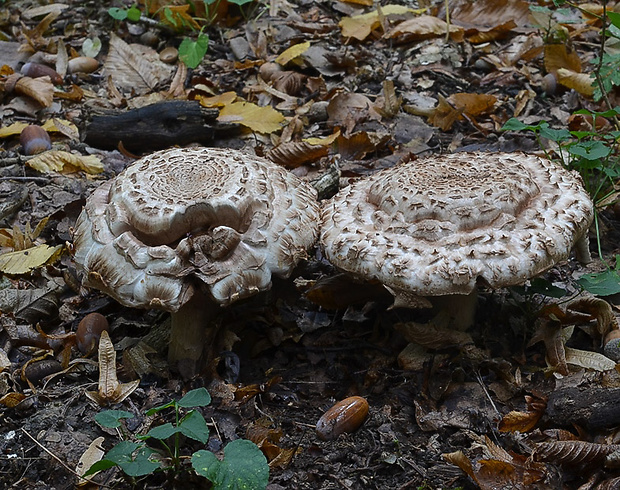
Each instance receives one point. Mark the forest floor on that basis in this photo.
(524, 398)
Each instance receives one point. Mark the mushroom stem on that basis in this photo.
(460, 308)
(192, 331)
(582, 250)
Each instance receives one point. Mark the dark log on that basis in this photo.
(157, 126)
(594, 408)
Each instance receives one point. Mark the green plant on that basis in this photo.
(243, 466)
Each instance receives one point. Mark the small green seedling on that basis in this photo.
(192, 52)
(243, 466)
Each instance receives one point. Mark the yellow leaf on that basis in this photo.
(259, 119)
(12, 130)
(291, 53)
(220, 100)
(24, 261)
(581, 82)
(62, 126)
(323, 141)
(63, 161)
(360, 26)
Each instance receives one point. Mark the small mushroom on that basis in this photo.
(439, 226)
(185, 230)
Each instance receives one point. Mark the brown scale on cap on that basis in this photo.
(441, 225)
(183, 220)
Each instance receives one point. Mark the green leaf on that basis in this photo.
(192, 52)
(240, 2)
(117, 14)
(112, 418)
(154, 410)
(244, 467)
(195, 398)
(513, 124)
(602, 283)
(162, 432)
(590, 150)
(556, 135)
(134, 14)
(194, 426)
(100, 465)
(614, 18)
(122, 455)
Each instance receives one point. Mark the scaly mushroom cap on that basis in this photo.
(225, 217)
(440, 225)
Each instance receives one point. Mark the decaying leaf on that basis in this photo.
(588, 359)
(424, 27)
(260, 119)
(135, 68)
(38, 89)
(524, 421)
(296, 153)
(349, 109)
(360, 26)
(110, 390)
(459, 106)
(5, 362)
(63, 161)
(433, 336)
(93, 454)
(24, 261)
(12, 399)
(573, 452)
(220, 100)
(558, 56)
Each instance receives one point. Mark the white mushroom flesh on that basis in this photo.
(442, 224)
(224, 217)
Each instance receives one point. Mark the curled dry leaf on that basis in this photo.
(291, 53)
(63, 161)
(296, 153)
(455, 107)
(349, 109)
(524, 421)
(559, 56)
(360, 26)
(588, 360)
(573, 452)
(110, 391)
(39, 89)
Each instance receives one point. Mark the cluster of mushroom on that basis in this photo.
(183, 229)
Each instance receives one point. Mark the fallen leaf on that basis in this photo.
(12, 399)
(93, 454)
(581, 82)
(360, 26)
(259, 119)
(291, 53)
(424, 27)
(63, 161)
(220, 100)
(588, 359)
(24, 261)
(296, 153)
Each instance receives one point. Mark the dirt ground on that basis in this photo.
(488, 409)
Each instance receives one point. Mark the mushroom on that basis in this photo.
(186, 230)
(439, 226)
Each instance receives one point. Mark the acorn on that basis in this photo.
(549, 84)
(169, 55)
(36, 70)
(34, 139)
(82, 64)
(35, 372)
(347, 415)
(89, 332)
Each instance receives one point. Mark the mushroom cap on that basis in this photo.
(442, 224)
(178, 218)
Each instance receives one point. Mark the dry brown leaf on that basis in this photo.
(388, 105)
(12, 399)
(459, 459)
(573, 452)
(488, 13)
(459, 105)
(357, 145)
(588, 359)
(40, 89)
(598, 309)
(360, 26)
(349, 109)
(135, 68)
(296, 153)
(519, 421)
(220, 100)
(260, 119)
(433, 336)
(423, 27)
(63, 161)
(560, 56)
(110, 391)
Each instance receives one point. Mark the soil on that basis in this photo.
(318, 337)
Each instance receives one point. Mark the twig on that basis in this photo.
(27, 179)
(58, 459)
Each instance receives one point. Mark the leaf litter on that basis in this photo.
(332, 92)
